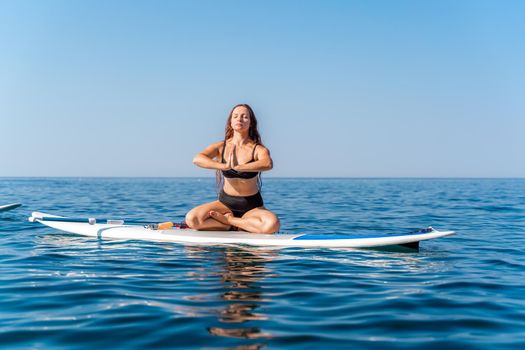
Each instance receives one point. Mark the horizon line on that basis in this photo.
(266, 177)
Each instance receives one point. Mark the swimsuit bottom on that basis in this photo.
(241, 205)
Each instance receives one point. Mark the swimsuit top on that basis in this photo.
(238, 174)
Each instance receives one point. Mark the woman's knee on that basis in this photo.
(192, 219)
(271, 224)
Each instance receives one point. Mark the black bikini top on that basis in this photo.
(238, 174)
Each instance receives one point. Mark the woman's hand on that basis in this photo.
(230, 161)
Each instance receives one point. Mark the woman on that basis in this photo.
(238, 160)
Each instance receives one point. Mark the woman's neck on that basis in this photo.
(240, 138)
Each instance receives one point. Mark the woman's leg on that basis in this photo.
(258, 220)
(199, 217)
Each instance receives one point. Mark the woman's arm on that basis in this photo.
(206, 158)
(263, 161)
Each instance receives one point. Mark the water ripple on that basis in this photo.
(466, 291)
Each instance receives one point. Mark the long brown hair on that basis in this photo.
(253, 132)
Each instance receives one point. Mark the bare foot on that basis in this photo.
(222, 218)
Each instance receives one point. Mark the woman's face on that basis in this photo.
(240, 119)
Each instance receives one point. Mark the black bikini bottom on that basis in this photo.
(241, 205)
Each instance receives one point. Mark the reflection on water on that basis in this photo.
(239, 271)
(234, 273)
(67, 291)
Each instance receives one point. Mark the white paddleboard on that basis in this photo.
(120, 230)
(9, 207)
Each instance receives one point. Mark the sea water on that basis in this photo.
(466, 291)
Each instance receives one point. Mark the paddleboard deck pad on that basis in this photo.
(120, 229)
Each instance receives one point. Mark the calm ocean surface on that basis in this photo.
(461, 292)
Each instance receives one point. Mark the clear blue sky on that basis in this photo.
(340, 88)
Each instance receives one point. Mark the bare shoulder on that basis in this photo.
(213, 150)
(263, 148)
(262, 152)
(217, 144)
